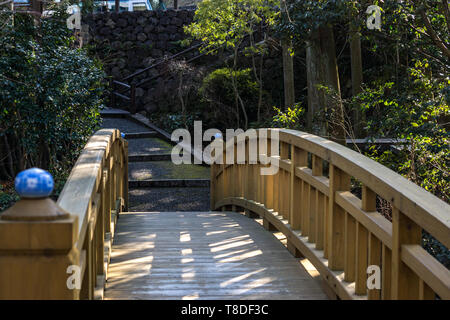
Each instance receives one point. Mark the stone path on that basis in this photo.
(157, 198)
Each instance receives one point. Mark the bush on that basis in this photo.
(218, 95)
(49, 99)
(293, 118)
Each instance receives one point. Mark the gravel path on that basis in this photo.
(166, 170)
(169, 199)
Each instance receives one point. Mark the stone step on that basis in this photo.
(141, 135)
(148, 146)
(149, 157)
(166, 170)
(124, 125)
(114, 113)
(169, 183)
(169, 199)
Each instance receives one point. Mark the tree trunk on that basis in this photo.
(322, 69)
(288, 74)
(357, 77)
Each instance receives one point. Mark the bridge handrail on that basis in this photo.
(96, 192)
(340, 233)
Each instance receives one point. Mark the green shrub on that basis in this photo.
(293, 118)
(7, 197)
(49, 98)
(218, 94)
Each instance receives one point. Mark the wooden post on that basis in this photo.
(299, 159)
(339, 181)
(116, 4)
(125, 175)
(405, 283)
(369, 204)
(37, 245)
(213, 187)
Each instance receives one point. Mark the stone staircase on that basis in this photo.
(155, 183)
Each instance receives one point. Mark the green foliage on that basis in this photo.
(225, 23)
(293, 118)
(306, 16)
(7, 198)
(415, 110)
(50, 96)
(218, 94)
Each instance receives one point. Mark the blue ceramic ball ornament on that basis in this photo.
(122, 135)
(34, 183)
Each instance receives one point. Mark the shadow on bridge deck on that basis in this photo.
(202, 255)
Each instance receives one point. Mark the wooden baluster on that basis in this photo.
(369, 204)
(213, 187)
(350, 248)
(107, 192)
(305, 208)
(374, 260)
(317, 169)
(425, 292)
(362, 245)
(276, 191)
(269, 182)
(233, 171)
(111, 186)
(284, 182)
(260, 178)
(119, 157)
(405, 283)
(339, 181)
(326, 222)
(99, 235)
(224, 176)
(125, 174)
(386, 271)
(299, 159)
(255, 175)
(312, 215)
(320, 225)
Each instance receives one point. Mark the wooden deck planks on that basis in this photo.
(202, 255)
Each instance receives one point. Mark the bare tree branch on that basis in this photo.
(434, 36)
(446, 12)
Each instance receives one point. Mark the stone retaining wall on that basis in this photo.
(130, 41)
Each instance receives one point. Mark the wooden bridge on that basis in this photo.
(302, 233)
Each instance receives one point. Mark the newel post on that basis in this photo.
(37, 255)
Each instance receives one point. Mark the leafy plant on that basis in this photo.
(50, 96)
(292, 118)
(218, 93)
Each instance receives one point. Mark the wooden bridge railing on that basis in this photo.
(311, 202)
(45, 254)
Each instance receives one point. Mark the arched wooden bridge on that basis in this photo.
(332, 235)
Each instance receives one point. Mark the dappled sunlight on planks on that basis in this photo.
(193, 256)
